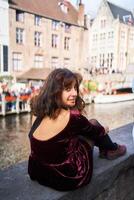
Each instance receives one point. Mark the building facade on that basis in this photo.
(49, 36)
(112, 38)
(4, 38)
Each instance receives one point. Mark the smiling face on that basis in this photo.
(69, 95)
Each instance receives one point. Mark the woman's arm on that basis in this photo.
(91, 129)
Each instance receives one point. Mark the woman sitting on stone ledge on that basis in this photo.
(61, 152)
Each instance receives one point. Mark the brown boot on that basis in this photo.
(113, 154)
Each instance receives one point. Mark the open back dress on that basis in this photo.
(65, 161)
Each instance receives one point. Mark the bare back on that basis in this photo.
(49, 128)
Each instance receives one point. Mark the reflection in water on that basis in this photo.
(14, 142)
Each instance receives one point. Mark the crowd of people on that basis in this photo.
(101, 70)
(11, 95)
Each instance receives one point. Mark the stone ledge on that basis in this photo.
(111, 179)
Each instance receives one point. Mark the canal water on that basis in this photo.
(14, 143)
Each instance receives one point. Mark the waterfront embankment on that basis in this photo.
(14, 142)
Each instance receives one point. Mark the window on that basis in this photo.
(54, 40)
(66, 62)
(38, 61)
(67, 28)
(110, 34)
(102, 36)
(37, 38)
(19, 35)
(37, 20)
(5, 58)
(111, 59)
(102, 60)
(55, 25)
(66, 43)
(128, 19)
(103, 23)
(54, 62)
(94, 60)
(95, 37)
(19, 16)
(108, 59)
(17, 61)
(132, 36)
(122, 34)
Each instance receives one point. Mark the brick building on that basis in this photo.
(46, 34)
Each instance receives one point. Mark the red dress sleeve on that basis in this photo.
(84, 127)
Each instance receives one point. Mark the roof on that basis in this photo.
(119, 12)
(35, 74)
(47, 8)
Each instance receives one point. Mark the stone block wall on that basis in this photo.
(112, 180)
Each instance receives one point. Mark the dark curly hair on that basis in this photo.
(49, 101)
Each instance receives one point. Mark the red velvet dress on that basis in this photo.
(64, 162)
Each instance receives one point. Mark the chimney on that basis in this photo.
(87, 21)
(64, 5)
(81, 9)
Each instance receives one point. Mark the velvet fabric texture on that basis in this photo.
(64, 162)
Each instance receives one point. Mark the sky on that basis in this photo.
(91, 6)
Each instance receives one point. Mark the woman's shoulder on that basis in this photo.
(78, 120)
(76, 114)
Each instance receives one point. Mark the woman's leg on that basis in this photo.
(107, 148)
(103, 142)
